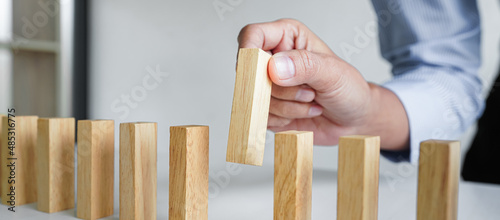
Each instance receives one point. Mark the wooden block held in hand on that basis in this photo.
(358, 176)
(25, 188)
(138, 171)
(188, 181)
(249, 114)
(55, 159)
(438, 175)
(96, 148)
(293, 168)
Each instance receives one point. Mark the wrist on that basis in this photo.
(386, 118)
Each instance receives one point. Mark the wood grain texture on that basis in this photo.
(358, 177)
(55, 169)
(25, 175)
(293, 169)
(96, 147)
(188, 181)
(249, 114)
(138, 171)
(2, 145)
(438, 176)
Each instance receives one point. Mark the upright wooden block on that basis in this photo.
(358, 176)
(96, 148)
(293, 168)
(438, 175)
(19, 185)
(138, 171)
(188, 182)
(2, 144)
(252, 95)
(55, 159)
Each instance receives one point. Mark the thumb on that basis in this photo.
(296, 67)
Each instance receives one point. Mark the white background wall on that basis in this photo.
(196, 47)
(190, 42)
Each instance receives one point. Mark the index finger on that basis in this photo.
(273, 36)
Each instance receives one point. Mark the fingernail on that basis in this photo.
(284, 66)
(315, 111)
(304, 95)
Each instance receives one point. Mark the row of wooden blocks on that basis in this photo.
(44, 171)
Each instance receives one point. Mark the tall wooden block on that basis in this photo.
(358, 176)
(19, 181)
(96, 148)
(438, 175)
(252, 95)
(2, 144)
(138, 171)
(293, 168)
(55, 159)
(188, 182)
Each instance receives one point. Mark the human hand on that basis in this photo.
(315, 90)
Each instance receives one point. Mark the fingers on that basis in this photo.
(276, 35)
(291, 110)
(295, 67)
(281, 35)
(300, 57)
(294, 93)
(277, 121)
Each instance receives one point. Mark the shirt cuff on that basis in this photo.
(424, 107)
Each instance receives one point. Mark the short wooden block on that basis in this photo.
(24, 183)
(188, 182)
(252, 95)
(438, 176)
(55, 159)
(358, 176)
(293, 169)
(96, 148)
(138, 171)
(2, 144)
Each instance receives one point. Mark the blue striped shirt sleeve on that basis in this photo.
(434, 49)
